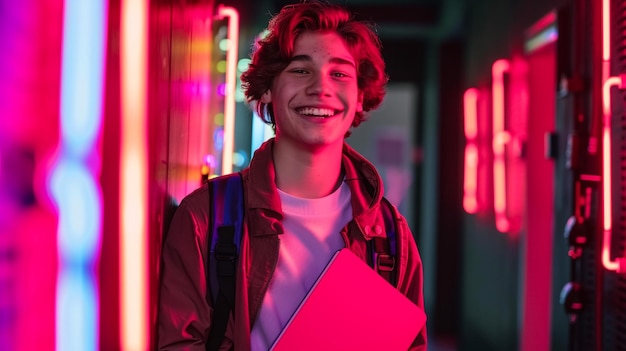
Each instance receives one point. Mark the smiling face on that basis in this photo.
(315, 97)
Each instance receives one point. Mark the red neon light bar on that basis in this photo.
(619, 264)
(500, 138)
(470, 174)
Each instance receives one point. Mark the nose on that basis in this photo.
(319, 85)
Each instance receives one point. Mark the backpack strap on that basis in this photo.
(225, 230)
(384, 249)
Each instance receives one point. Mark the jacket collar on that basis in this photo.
(367, 191)
(264, 203)
(262, 191)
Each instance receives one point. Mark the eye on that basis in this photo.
(298, 71)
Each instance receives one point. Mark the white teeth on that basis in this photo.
(318, 112)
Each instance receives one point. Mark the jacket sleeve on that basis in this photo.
(184, 315)
(412, 279)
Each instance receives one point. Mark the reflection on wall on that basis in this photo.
(29, 113)
(193, 112)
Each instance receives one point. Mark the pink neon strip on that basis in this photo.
(606, 30)
(470, 179)
(500, 138)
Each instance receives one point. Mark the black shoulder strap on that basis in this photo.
(225, 229)
(384, 250)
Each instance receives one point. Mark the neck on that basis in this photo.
(307, 173)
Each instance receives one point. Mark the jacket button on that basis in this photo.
(368, 230)
(378, 230)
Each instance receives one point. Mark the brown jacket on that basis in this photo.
(184, 312)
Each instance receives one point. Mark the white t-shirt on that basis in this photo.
(312, 236)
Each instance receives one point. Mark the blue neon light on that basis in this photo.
(82, 74)
(77, 297)
(74, 179)
(78, 201)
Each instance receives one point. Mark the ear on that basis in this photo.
(359, 103)
(266, 98)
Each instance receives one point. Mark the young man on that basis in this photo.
(307, 193)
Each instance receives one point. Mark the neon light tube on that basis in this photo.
(74, 178)
(231, 79)
(500, 138)
(470, 178)
(133, 175)
(606, 30)
(606, 175)
(471, 113)
(619, 264)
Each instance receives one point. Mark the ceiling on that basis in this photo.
(414, 19)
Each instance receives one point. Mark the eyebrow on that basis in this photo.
(333, 59)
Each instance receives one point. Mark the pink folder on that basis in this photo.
(351, 307)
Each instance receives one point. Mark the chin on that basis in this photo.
(322, 141)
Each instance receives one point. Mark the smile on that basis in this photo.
(317, 112)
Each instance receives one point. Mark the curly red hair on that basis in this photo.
(272, 53)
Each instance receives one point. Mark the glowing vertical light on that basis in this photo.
(133, 175)
(73, 181)
(619, 264)
(606, 30)
(500, 138)
(470, 174)
(606, 173)
(231, 81)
